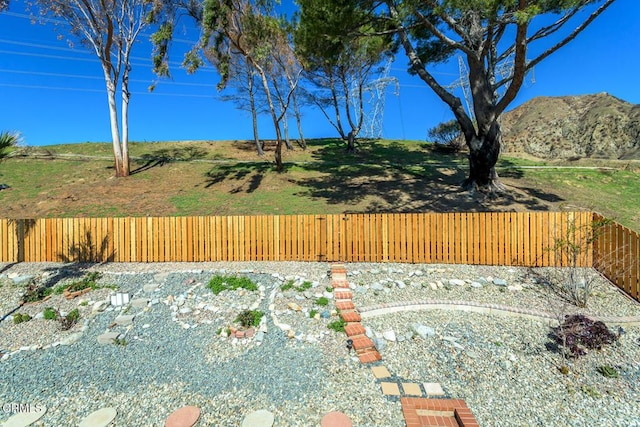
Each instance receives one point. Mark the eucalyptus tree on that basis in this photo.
(109, 29)
(337, 61)
(247, 28)
(492, 36)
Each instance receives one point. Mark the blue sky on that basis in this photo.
(54, 94)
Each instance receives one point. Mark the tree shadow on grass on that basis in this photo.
(249, 175)
(390, 177)
(164, 156)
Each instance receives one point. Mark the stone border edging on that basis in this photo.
(477, 307)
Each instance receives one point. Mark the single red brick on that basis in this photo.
(343, 294)
(350, 316)
(361, 342)
(354, 329)
(250, 332)
(341, 284)
(240, 334)
(345, 305)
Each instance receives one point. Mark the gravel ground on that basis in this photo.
(175, 358)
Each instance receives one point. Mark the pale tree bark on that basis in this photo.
(110, 29)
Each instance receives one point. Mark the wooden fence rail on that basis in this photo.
(492, 238)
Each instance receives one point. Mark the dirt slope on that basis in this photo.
(598, 126)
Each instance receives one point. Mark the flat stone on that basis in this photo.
(150, 287)
(185, 310)
(100, 306)
(24, 419)
(476, 284)
(390, 389)
(73, 338)
(140, 302)
(380, 372)
(433, 389)
(100, 418)
(293, 306)
(499, 282)
(261, 418)
(456, 282)
(400, 284)
(377, 287)
(108, 337)
(160, 277)
(186, 416)
(336, 419)
(423, 331)
(433, 286)
(515, 288)
(411, 389)
(389, 335)
(22, 279)
(125, 320)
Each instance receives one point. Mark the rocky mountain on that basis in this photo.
(598, 126)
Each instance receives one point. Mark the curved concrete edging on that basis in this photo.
(475, 307)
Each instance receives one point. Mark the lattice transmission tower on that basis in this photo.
(504, 70)
(375, 91)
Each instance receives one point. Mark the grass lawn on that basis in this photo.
(228, 178)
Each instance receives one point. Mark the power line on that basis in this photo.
(183, 95)
(62, 22)
(77, 76)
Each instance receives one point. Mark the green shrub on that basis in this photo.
(248, 318)
(50, 313)
(220, 283)
(312, 313)
(287, 286)
(337, 325)
(322, 301)
(36, 293)
(21, 317)
(70, 319)
(608, 371)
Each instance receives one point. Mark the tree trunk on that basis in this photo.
(296, 111)
(351, 142)
(274, 117)
(254, 119)
(115, 131)
(126, 165)
(484, 150)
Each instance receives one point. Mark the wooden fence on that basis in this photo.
(493, 238)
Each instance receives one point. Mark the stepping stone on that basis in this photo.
(108, 337)
(380, 372)
(433, 389)
(335, 419)
(390, 389)
(100, 418)
(411, 389)
(24, 419)
(71, 339)
(186, 416)
(261, 418)
(140, 302)
(125, 320)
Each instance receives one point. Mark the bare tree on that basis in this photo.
(109, 29)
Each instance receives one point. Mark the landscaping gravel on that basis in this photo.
(177, 354)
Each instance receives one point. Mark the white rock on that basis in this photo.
(99, 306)
(389, 335)
(146, 326)
(456, 282)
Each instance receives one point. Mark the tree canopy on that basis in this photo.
(492, 36)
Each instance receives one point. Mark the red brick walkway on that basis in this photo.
(417, 411)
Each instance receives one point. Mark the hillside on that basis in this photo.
(228, 178)
(595, 126)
